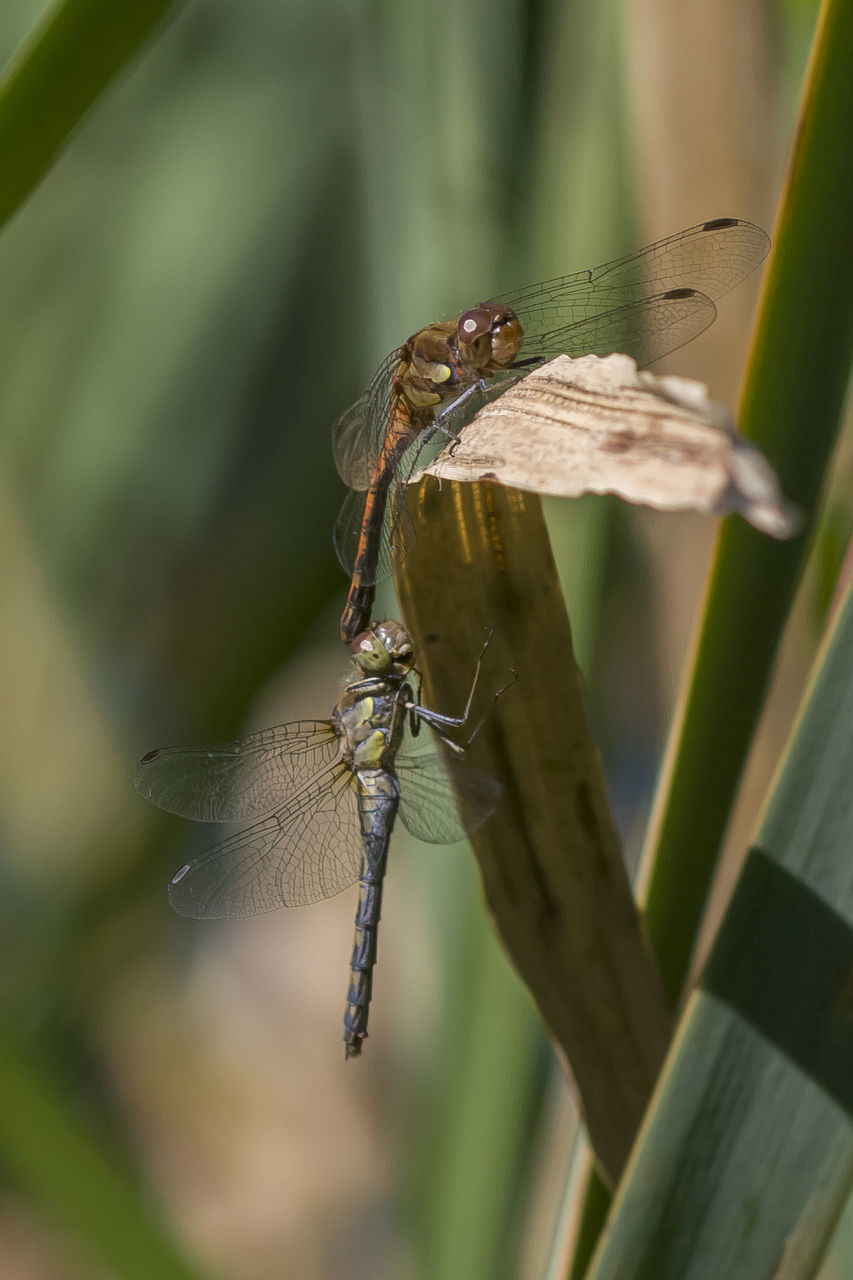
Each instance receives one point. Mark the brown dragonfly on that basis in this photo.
(645, 305)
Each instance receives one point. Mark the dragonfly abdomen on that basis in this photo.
(377, 803)
(402, 430)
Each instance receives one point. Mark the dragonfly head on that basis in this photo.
(376, 650)
(489, 336)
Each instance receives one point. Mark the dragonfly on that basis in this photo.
(646, 305)
(325, 794)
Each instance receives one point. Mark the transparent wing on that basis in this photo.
(711, 257)
(358, 433)
(645, 304)
(708, 259)
(442, 800)
(398, 535)
(307, 850)
(230, 781)
(646, 330)
(568, 315)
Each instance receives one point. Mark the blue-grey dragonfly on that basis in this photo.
(324, 794)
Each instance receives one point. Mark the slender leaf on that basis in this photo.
(68, 62)
(550, 858)
(791, 405)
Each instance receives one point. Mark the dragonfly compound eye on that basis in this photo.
(369, 652)
(474, 324)
(489, 334)
(473, 337)
(505, 333)
(395, 639)
(507, 337)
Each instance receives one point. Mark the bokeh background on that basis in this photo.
(274, 196)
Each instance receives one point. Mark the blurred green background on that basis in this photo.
(270, 199)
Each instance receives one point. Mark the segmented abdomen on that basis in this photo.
(377, 804)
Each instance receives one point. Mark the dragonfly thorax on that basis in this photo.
(369, 720)
(440, 361)
(428, 370)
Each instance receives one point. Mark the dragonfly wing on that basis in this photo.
(358, 433)
(230, 781)
(708, 259)
(307, 850)
(646, 329)
(712, 258)
(397, 535)
(347, 531)
(443, 799)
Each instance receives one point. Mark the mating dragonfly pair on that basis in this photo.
(324, 794)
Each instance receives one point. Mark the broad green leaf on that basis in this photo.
(746, 1158)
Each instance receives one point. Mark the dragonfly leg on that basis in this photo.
(409, 705)
(439, 423)
(441, 723)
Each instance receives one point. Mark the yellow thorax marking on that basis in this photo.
(369, 753)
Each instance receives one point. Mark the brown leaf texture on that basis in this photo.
(600, 425)
(550, 857)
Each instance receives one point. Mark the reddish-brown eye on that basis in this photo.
(507, 336)
(474, 324)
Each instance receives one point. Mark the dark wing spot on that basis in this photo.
(150, 755)
(716, 223)
(680, 293)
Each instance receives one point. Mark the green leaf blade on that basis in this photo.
(746, 1158)
(791, 408)
(65, 66)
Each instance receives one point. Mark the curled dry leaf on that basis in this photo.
(600, 425)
